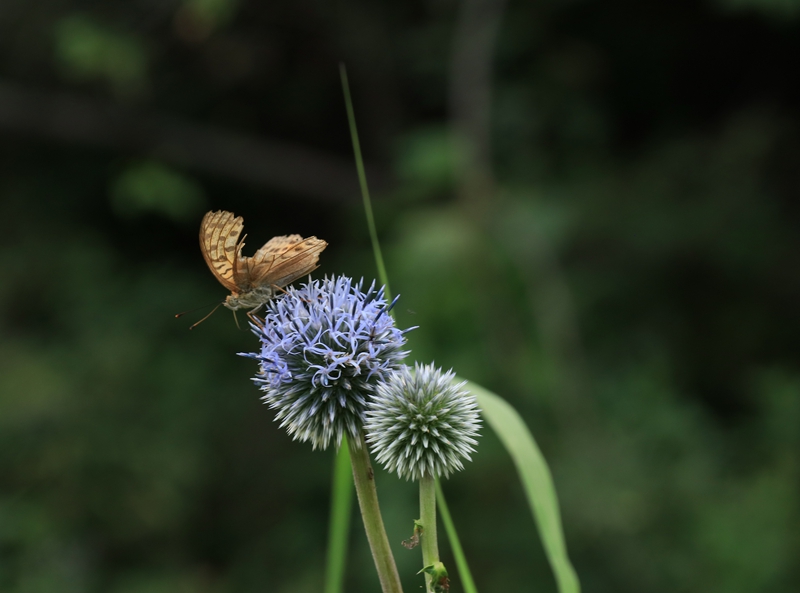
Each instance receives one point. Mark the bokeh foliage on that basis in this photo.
(630, 285)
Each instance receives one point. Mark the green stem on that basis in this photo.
(371, 514)
(427, 511)
(341, 501)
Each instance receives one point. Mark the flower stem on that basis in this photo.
(371, 514)
(427, 511)
(341, 502)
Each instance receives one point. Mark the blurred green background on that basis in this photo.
(590, 208)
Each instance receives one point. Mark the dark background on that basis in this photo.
(591, 208)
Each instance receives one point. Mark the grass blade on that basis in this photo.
(536, 481)
(341, 503)
(455, 544)
(362, 180)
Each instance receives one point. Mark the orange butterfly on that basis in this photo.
(254, 280)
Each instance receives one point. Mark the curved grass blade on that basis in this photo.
(341, 503)
(455, 544)
(536, 481)
(362, 180)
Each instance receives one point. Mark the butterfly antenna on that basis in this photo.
(196, 309)
(194, 325)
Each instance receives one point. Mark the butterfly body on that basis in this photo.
(250, 299)
(253, 281)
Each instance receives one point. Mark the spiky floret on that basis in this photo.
(422, 423)
(324, 348)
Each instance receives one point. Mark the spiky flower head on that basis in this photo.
(422, 423)
(324, 348)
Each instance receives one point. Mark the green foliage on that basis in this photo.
(87, 50)
(630, 288)
(213, 11)
(426, 162)
(151, 187)
(196, 20)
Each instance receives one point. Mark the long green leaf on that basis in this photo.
(536, 481)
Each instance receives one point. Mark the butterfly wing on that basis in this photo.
(220, 244)
(283, 260)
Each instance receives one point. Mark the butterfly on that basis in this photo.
(253, 281)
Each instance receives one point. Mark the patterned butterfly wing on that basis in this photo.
(283, 260)
(262, 261)
(220, 244)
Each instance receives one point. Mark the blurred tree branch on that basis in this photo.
(205, 148)
(470, 96)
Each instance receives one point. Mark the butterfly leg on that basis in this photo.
(251, 314)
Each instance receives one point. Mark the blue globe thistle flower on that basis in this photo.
(324, 348)
(422, 423)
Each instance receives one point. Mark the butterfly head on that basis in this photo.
(233, 303)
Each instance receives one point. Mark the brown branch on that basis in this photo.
(254, 161)
(474, 38)
(550, 298)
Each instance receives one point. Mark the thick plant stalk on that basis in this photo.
(371, 514)
(428, 539)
